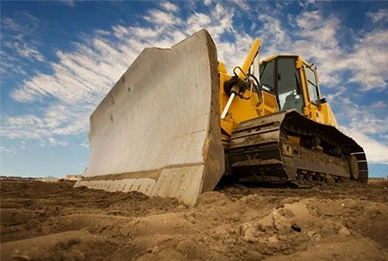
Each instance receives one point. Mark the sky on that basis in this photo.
(60, 58)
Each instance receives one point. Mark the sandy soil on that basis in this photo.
(42, 221)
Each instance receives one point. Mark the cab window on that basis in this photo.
(312, 85)
(267, 75)
(288, 85)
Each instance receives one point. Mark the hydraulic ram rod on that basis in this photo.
(227, 105)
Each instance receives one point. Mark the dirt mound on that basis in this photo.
(41, 221)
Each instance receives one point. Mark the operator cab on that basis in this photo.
(282, 74)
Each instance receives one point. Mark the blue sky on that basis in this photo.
(59, 59)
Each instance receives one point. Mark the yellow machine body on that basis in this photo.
(314, 105)
(276, 126)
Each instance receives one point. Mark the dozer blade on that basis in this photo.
(158, 130)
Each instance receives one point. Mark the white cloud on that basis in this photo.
(54, 142)
(340, 90)
(366, 125)
(19, 44)
(27, 51)
(319, 35)
(368, 62)
(162, 18)
(241, 4)
(11, 150)
(380, 15)
(378, 105)
(376, 152)
(8, 67)
(274, 37)
(85, 145)
(27, 25)
(11, 24)
(168, 6)
(207, 2)
(23, 127)
(318, 39)
(68, 2)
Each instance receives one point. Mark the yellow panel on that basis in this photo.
(240, 110)
(329, 115)
(270, 104)
(313, 113)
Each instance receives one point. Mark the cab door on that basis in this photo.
(313, 97)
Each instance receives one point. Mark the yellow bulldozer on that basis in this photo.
(176, 122)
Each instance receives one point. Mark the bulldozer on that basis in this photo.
(176, 122)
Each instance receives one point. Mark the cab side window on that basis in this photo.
(312, 85)
(267, 75)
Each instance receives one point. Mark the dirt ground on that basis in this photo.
(43, 221)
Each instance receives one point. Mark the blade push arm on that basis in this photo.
(244, 70)
(255, 49)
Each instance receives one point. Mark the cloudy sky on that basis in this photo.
(59, 59)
